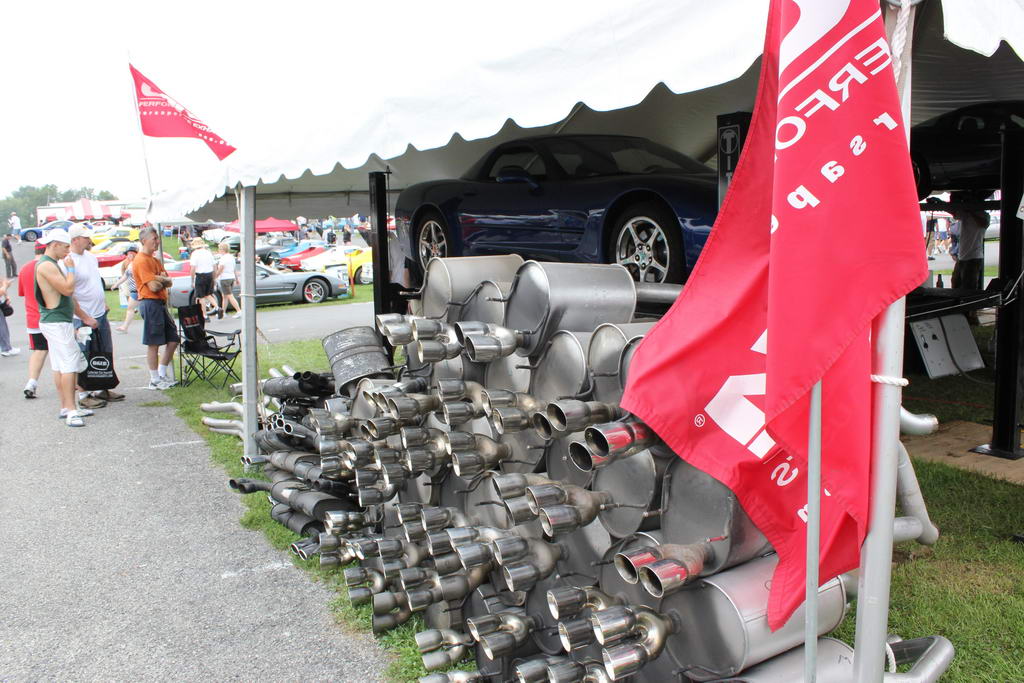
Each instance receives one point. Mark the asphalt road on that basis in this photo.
(121, 556)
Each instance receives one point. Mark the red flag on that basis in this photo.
(163, 117)
(782, 296)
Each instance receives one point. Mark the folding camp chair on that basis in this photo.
(201, 355)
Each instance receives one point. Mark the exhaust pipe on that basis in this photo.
(227, 407)
(508, 486)
(522, 574)
(625, 659)
(356, 577)
(616, 440)
(453, 677)
(497, 342)
(435, 350)
(536, 670)
(501, 634)
(677, 565)
(412, 406)
(440, 648)
(918, 425)
(571, 416)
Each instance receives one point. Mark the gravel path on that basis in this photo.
(121, 556)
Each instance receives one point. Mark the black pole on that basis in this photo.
(381, 257)
(1010, 319)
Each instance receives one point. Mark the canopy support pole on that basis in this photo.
(247, 234)
(886, 361)
(382, 287)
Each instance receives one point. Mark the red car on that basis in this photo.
(294, 262)
(105, 260)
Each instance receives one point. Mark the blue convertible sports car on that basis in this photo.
(580, 198)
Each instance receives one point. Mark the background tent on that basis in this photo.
(663, 70)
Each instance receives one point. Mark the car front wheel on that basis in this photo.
(646, 240)
(432, 238)
(30, 236)
(314, 291)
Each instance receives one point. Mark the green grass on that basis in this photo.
(990, 271)
(969, 587)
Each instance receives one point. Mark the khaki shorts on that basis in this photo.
(65, 353)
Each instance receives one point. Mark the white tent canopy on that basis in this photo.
(461, 81)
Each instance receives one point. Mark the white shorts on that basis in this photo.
(65, 353)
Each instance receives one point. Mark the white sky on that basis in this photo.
(239, 68)
(69, 116)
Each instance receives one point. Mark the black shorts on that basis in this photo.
(225, 286)
(157, 327)
(204, 284)
(37, 342)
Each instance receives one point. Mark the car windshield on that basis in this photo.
(587, 157)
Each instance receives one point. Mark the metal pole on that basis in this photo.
(381, 255)
(887, 361)
(247, 227)
(1010, 321)
(813, 536)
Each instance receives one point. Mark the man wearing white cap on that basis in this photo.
(14, 223)
(90, 304)
(54, 287)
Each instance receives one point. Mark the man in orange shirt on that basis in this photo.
(157, 327)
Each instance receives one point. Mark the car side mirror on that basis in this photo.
(262, 273)
(515, 174)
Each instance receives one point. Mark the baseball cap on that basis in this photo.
(55, 236)
(131, 247)
(78, 230)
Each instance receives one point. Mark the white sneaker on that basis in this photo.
(157, 385)
(236, 316)
(168, 382)
(81, 412)
(13, 352)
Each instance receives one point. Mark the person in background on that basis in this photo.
(346, 230)
(91, 306)
(202, 278)
(225, 277)
(8, 249)
(14, 224)
(969, 270)
(157, 329)
(54, 286)
(36, 340)
(131, 292)
(5, 333)
(365, 229)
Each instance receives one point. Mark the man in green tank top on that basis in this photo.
(54, 286)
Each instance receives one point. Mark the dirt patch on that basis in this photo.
(952, 445)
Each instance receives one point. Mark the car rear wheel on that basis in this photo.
(432, 238)
(314, 291)
(646, 240)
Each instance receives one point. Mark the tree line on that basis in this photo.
(26, 198)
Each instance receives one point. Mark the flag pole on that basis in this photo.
(886, 391)
(145, 163)
(813, 536)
